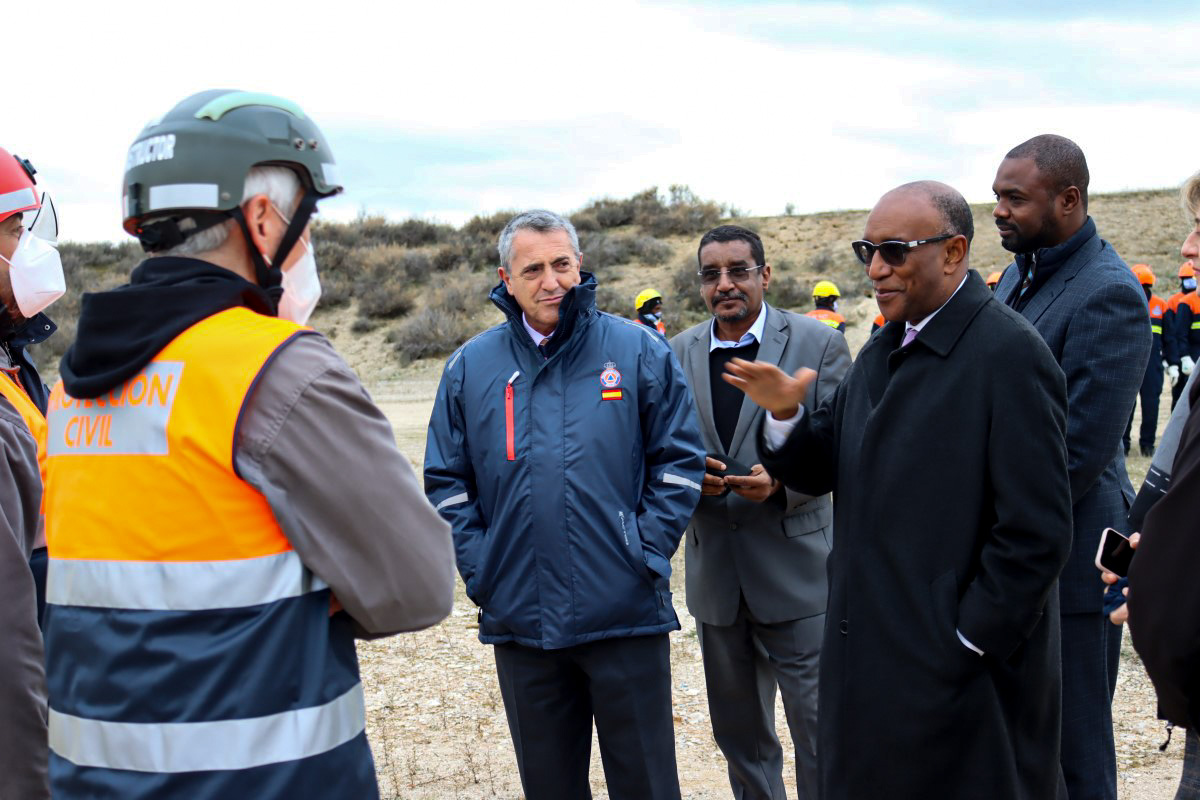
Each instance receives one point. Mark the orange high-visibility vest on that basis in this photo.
(174, 598)
(830, 318)
(15, 393)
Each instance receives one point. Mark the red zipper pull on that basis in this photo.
(508, 417)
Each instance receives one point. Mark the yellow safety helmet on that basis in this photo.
(826, 289)
(645, 296)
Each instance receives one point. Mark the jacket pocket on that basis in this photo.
(805, 522)
(944, 594)
(631, 546)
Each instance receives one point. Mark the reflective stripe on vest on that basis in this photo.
(165, 565)
(1156, 329)
(200, 746)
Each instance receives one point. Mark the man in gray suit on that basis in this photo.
(755, 552)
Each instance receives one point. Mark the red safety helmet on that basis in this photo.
(18, 191)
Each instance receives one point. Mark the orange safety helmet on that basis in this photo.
(994, 278)
(1144, 274)
(1187, 270)
(17, 190)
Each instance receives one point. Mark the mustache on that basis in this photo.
(1005, 226)
(734, 295)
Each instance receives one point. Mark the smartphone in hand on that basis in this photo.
(1114, 553)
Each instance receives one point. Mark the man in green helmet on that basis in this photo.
(226, 508)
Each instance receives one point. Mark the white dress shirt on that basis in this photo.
(534, 334)
(755, 333)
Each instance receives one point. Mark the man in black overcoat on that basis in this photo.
(947, 461)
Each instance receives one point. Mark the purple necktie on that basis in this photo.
(909, 335)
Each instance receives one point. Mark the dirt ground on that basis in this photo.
(436, 720)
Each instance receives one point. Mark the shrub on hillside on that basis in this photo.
(680, 213)
(447, 314)
(602, 250)
(370, 231)
(87, 267)
(685, 287)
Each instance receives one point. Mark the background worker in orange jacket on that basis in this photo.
(825, 297)
(648, 306)
(1152, 384)
(993, 279)
(1182, 326)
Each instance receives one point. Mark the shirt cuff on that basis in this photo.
(776, 431)
(966, 642)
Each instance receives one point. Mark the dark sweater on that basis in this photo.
(727, 399)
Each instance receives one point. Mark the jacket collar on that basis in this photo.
(577, 306)
(943, 331)
(1050, 258)
(881, 356)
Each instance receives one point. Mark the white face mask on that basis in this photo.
(301, 288)
(36, 274)
(301, 284)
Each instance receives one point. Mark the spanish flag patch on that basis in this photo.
(610, 394)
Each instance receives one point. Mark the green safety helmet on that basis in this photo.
(192, 163)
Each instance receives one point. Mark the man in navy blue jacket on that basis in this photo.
(1087, 305)
(565, 453)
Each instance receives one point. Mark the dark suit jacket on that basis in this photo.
(1092, 314)
(951, 510)
(771, 553)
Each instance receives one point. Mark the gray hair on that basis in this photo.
(280, 184)
(1191, 196)
(538, 220)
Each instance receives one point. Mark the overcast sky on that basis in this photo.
(445, 110)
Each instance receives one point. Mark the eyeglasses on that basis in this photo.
(892, 252)
(736, 274)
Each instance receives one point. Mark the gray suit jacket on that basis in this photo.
(773, 556)
(1092, 314)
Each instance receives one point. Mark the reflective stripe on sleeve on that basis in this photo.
(679, 481)
(229, 744)
(452, 501)
(179, 585)
(1196, 325)
(1156, 329)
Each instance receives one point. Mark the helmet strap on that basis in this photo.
(270, 276)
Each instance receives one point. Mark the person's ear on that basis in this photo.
(956, 251)
(766, 277)
(504, 279)
(257, 211)
(1069, 200)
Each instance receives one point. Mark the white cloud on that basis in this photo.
(824, 105)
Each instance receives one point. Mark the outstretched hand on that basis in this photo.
(769, 386)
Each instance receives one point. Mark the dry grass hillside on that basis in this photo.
(401, 292)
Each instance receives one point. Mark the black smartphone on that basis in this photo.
(731, 467)
(1114, 553)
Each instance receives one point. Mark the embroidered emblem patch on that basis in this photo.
(610, 378)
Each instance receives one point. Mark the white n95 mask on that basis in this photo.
(36, 274)
(301, 288)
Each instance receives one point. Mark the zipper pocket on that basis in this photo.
(508, 417)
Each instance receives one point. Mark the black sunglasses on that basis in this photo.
(892, 252)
